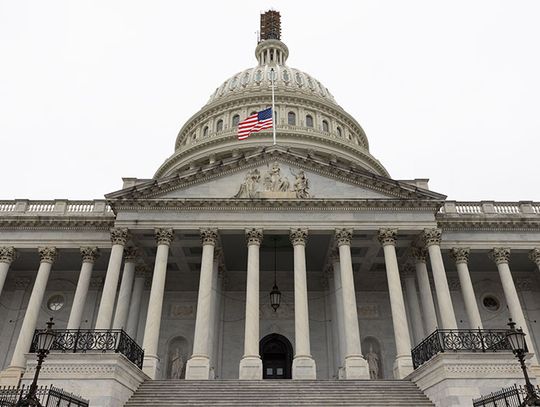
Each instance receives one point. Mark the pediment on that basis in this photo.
(275, 175)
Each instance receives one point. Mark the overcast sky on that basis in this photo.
(93, 91)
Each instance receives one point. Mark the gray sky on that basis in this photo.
(92, 91)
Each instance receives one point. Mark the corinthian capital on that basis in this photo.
(7, 254)
(534, 255)
(119, 236)
(500, 255)
(387, 236)
(89, 254)
(22, 283)
(131, 254)
(47, 254)
(344, 236)
(164, 236)
(254, 236)
(407, 271)
(460, 254)
(419, 253)
(142, 271)
(432, 236)
(209, 236)
(298, 236)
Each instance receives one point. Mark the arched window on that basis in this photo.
(235, 120)
(205, 131)
(219, 125)
(291, 118)
(309, 121)
(338, 130)
(325, 126)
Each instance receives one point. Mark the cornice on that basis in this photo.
(57, 223)
(490, 225)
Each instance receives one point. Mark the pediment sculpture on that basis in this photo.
(274, 184)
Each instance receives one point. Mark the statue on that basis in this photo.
(177, 364)
(301, 185)
(373, 364)
(274, 182)
(248, 189)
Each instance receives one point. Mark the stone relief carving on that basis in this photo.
(274, 184)
(182, 311)
(368, 311)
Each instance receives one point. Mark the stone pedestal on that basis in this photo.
(402, 366)
(198, 368)
(356, 368)
(151, 366)
(303, 368)
(251, 368)
(11, 376)
(105, 379)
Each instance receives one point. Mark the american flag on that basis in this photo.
(254, 123)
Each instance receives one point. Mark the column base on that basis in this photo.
(11, 376)
(356, 367)
(403, 366)
(151, 367)
(341, 373)
(303, 368)
(534, 369)
(198, 368)
(251, 368)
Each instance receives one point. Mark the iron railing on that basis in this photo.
(460, 340)
(513, 396)
(48, 396)
(101, 340)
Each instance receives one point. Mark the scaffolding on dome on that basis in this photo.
(270, 25)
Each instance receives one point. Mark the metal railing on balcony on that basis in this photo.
(98, 340)
(513, 396)
(460, 340)
(48, 396)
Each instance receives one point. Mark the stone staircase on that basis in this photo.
(271, 393)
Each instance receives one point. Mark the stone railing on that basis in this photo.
(490, 208)
(55, 207)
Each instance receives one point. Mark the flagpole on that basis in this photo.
(273, 108)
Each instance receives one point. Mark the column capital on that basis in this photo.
(131, 254)
(500, 255)
(524, 284)
(387, 237)
(460, 254)
(254, 236)
(119, 236)
(89, 254)
(209, 236)
(407, 270)
(298, 236)
(164, 236)
(47, 254)
(419, 253)
(344, 236)
(7, 254)
(432, 237)
(142, 270)
(22, 283)
(96, 283)
(534, 255)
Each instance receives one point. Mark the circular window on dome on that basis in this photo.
(258, 76)
(233, 83)
(323, 91)
(221, 90)
(245, 79)
(299, 79)
(491, 303)
(310, 83)
(286, 76)
(56, 302)
(271, 75)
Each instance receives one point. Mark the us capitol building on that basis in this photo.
(362, 267)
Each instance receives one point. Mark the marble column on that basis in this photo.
(355, 366)
(7, 255)
(126, 285)
(89, 256)
(141, 273)
(303, 363)
(214, 308)
(198, 366)
(415, 315)
(428, 306)
(403, 363)
(151, 364)
(432, 240)
(461, 257)
(47, 257)
(501, 257)
(336, 272)
(534, 255)
(251, 363)
(108, 296)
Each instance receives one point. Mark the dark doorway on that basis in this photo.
(277, 354)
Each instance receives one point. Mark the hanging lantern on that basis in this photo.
(275, 297)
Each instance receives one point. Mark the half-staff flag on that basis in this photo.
(254, 123)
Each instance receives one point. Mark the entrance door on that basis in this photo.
(276, 353)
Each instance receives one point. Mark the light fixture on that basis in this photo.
(275, 294)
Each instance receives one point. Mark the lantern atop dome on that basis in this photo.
(270, 50)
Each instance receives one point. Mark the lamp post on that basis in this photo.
(45, 340)
(275, 294)
(516, 337)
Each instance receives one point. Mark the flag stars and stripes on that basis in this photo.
(254, 123)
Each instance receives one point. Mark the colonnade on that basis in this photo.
(128, 301)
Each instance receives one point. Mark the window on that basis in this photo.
(235, 120)
(309, 121)
(219, 125)
(325, 126)
(291, 118)
(338, 130)
(56, 302)
(491, 303)
(205, 131)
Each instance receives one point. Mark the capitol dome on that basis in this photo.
(308, 120)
